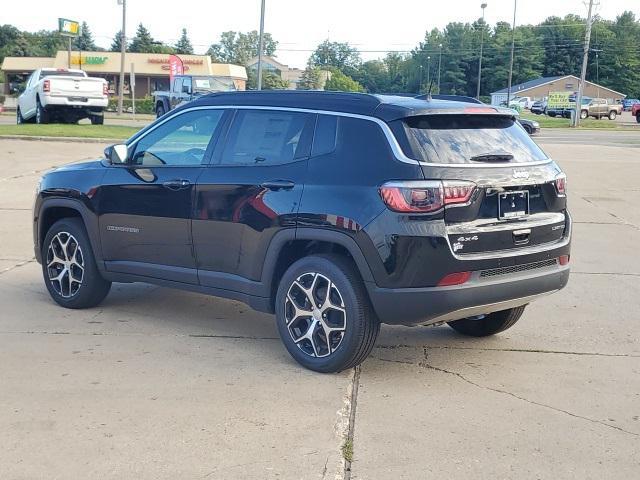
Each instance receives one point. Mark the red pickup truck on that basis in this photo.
(635, 111)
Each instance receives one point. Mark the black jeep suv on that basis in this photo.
(334, 211)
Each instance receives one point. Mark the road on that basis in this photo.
(161, 384)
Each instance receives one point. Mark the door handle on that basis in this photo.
(278, 185)
(176, 184)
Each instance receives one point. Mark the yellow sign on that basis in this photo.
(560, 100)
(88, 60)
(68, 27)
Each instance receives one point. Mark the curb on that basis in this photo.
(61, 139)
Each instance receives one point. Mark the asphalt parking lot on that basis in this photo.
(158, 383)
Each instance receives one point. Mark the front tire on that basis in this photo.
(160, 111)
(528, 129)
(638, 118)
(584, 114)
(19, 118)
(612, 115)
(323, 314)
(69, 267)
(489, 324)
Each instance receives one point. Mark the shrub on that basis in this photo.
(143, 105)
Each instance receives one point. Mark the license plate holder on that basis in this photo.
(513, 204)
(78, 99)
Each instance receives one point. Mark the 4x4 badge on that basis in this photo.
(520, 174)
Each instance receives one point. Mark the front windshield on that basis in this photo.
(465, 138)
(212, 84)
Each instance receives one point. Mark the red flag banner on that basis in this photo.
(176, 67)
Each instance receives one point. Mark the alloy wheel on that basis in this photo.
(315, 314)
(65, 264)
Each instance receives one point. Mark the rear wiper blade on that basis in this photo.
(493, 157)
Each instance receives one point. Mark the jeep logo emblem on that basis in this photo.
(520, 174)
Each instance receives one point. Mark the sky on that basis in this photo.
(372, 26)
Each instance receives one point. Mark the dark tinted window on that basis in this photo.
(324, 140)
(182, 140)
(458, 138)
(266, 137)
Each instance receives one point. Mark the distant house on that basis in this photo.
(271, 65)
(539, 88)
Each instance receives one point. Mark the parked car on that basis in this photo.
(522, 102)
(599, 108)
(539, 107)
(635, 111)
(531, 126)
(185, 88)
(62, 95)
(628, 103)
(335, 211)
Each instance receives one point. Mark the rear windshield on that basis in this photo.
(60, 73)
(468, 138)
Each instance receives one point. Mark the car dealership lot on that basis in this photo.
(157, 383)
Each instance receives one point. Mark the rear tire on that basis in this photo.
(97, 119)
(638, 118)
(69, 267)
(489, 325)
(41, 113)
(331, 326)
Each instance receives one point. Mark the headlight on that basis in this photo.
(536, 124)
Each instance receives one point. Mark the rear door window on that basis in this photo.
(267, 137)
(460, 139)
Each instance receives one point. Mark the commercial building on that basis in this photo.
(540, 88)
(151, 69)
(271, 65)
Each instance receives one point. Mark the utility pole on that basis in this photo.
(585, 59)
(261, 46)
(513, 43)
(420, 82)
(483, 6)
(123, 50)
(439, 66)
(429, 70)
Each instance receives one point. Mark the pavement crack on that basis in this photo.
(426, 365)
(114, 334)
(607, 273)
(17, 265)
(623, 220)
(348, 445)
(516, 350)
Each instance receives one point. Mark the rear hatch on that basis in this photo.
(518, 200)
(81, 87)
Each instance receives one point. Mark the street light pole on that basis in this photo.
(123, 49)
(439, 66)
(261, 46)
(420, 82)
(513, 43)
(429, 70)
(483, 6)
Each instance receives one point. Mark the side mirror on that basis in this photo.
(117, 154)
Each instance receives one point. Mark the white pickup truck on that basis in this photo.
(62, 95)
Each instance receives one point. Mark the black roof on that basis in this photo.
(385, 107)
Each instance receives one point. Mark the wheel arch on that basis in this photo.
(290, 245)
(55, 209)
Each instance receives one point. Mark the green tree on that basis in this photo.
(562, 40)
(239, 47)
(116, 44)
(85, 40)
(143, 42)
(183, 46)
(339, 82)
(311, 78)
(336, 54)
(270, 81)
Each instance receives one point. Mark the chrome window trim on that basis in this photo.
(391, 139)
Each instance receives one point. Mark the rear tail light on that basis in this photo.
(105, 89)
(457, 278)
(564, 259)
(425, 196)
(46, 86)
(561, 184)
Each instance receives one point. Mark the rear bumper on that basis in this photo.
(424, 306)
(53, 101)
